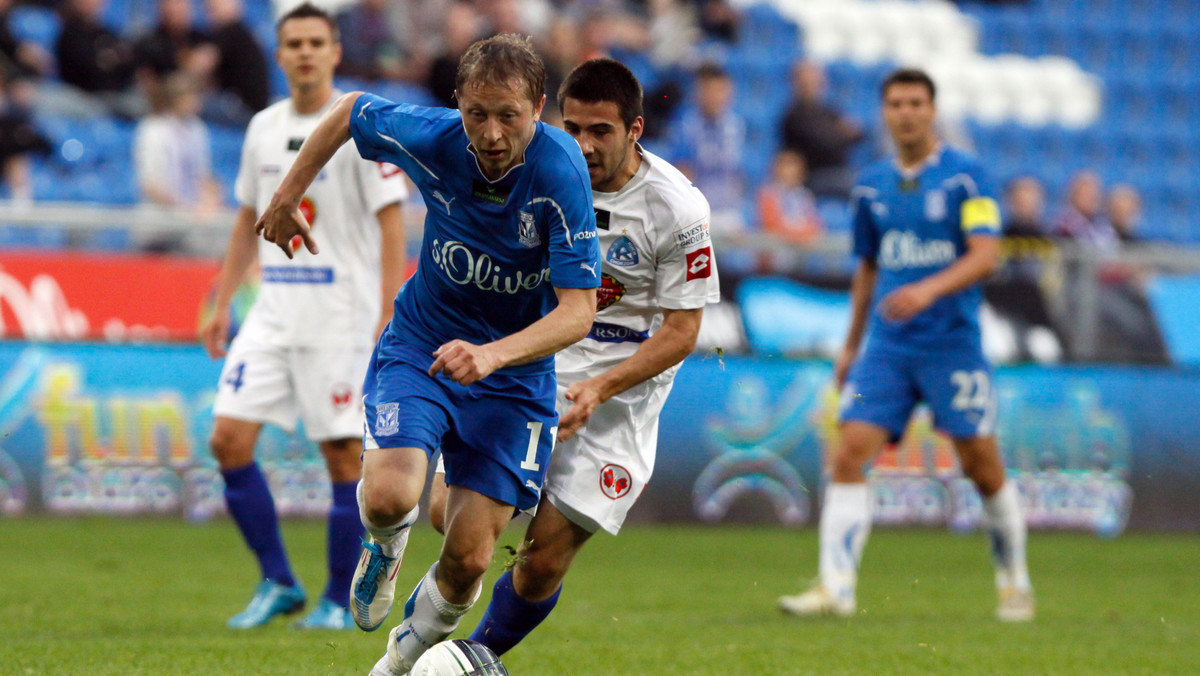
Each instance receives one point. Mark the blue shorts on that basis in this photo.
(884, 386)
(495, 435)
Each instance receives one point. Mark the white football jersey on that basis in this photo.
(332, 298)
(657, 254)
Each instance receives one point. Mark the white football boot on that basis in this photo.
(1016, 605)
(819, 601)
(373, 587)
(392, 663)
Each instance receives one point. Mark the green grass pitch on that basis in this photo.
(137, 596)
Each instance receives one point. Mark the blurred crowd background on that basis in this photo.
(121, 123)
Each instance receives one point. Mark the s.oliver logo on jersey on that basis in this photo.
(465, 267)
(699, 264)
(902, 249)
(615, 481)
(611, 290)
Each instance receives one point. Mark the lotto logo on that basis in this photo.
(615, 481)
(699, 264)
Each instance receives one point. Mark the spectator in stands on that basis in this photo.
(820, 132)
(705, 143)
(172, 155)
(1125, 212)
(18, 139)
(240, 74)
(787, 210)
(371, 50)
(719, 20)
(1082, 219)
(19, 59)
(462, 28)
(174, 45)
(1025, 208)
(1014, 290)
(95, 64)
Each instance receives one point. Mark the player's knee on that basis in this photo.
(462, 567)
(848, 466)
(437, 516)
(540, 572)
(382, 506)
(230, 450)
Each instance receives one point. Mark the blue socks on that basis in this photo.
(509, 618)
(249, 501)
(344, 542)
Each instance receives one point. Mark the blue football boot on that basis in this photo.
(327, 615)
(270, 599)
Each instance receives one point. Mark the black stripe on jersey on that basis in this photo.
(602, 219)
(487, 192)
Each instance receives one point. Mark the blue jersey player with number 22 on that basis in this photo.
(926, 229)
(508, 272)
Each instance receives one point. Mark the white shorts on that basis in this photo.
(322, 386)
(597, 475)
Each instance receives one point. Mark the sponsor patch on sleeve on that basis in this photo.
(699, 264)
(697, 234)
(980, 212)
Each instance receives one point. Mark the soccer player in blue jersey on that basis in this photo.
(926, 228)
(507, 276)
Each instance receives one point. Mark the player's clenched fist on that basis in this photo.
(280, 222)
(463, 362)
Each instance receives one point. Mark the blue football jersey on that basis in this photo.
(915, 224)
(493, 251)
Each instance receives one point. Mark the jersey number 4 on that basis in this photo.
(234, 378)
(535, 434)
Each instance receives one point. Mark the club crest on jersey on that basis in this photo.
(387, 419)
(622, 253)
(527, 235)
(935, 205)
(615, 481)
(611, 290)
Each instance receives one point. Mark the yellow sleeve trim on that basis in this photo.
(980, 212)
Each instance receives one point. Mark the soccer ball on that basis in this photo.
(459, 657)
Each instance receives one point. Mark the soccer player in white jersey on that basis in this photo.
(507, 277)
(926, 231)
(658, 274)
(304, 348)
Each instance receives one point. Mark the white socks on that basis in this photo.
(433, 618)
(1006, 529)
(388, 536)
(845, 523)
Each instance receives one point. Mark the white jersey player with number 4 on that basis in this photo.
(303, 351)
(654, 235)
(658, 273)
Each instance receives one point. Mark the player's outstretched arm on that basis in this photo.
(981, 259)
(671, 344)
(282, 220)
(243, 249)
(862, 291)
(466, 363)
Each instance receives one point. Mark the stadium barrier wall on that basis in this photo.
(123, 429)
